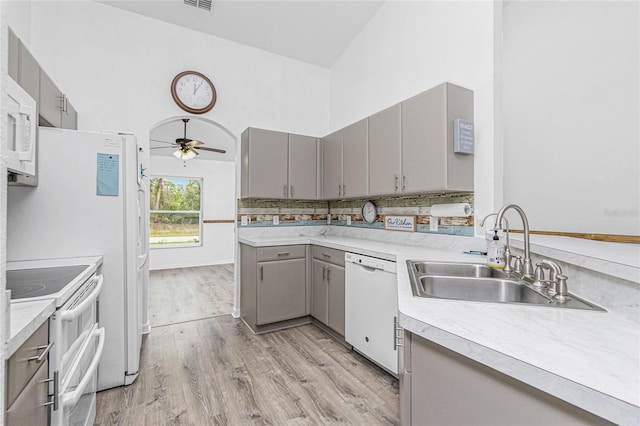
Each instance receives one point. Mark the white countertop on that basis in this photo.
(27, 315)
(25, 319)
(587, 358)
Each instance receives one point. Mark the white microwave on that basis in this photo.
(21, 118)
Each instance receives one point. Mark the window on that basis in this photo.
(176, 212)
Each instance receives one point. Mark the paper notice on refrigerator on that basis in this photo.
(107, 174)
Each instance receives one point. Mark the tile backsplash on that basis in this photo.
(260, 213)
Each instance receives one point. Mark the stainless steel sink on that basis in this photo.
(479, 290)
(480, 283)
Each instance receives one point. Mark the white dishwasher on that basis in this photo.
(371, 308)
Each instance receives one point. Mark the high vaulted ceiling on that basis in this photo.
(314, 31)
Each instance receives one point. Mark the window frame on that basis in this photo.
(200, 242)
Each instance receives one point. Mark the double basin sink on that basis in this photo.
(480, 283)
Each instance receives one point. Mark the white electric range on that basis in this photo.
(76, 341)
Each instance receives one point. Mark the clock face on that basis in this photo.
(369, 212)
(193, 92)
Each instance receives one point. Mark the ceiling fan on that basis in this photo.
(187, 148)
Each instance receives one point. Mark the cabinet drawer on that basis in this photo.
(328, 255)
(19, 368)
(29, 407)
(266, 254)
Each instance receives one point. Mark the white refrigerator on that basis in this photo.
(92, 199)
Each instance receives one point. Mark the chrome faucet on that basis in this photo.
(507, 247)
(528, 267)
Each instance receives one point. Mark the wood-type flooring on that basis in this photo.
(209, 370)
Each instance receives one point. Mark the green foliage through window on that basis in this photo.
(175, 211)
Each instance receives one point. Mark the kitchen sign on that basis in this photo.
(463, 138)
(400, 223)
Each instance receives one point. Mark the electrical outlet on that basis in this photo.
(433, 224)
(349, 220)
(276, 220)
(244, 220)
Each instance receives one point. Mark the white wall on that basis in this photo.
(117, 66)
(218, 202)
(409, 47)
(571, 114)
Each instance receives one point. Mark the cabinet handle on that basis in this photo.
(396, 334)
(65, 104)
(284, 253)
(324, 272)
(43, 355)
(404, 182)
(55, 391)
(284, 190)
(261, 273)
(344, 189)
(328, 273)
(395, 186)
(291, 191)
(339, 189)
(327, 255)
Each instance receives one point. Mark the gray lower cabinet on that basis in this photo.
(439, 386)
(273, 284)
(327, 287)
(26, 381)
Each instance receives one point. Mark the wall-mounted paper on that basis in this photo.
(108, 166)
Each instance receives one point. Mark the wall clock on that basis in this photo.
(193, 92)
(369, 212)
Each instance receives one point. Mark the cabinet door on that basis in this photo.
(69, 117)
(29, 407)
(332, 166)
(319, 291)
(335, 282)
(303, 163)
(355, 170)
(281, 290)
(14, 46)
(50, 101)
(267, 163)
(384, 152)
(424, 141)
(29, 73)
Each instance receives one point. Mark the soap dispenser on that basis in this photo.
(495, 252)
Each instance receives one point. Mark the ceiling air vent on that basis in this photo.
(201, 4)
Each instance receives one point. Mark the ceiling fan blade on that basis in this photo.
(204, 148)
(157, 140)
(194, 143)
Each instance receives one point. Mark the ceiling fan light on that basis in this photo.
(184, 155)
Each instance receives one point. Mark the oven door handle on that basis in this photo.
(71, 399)
(74, 313)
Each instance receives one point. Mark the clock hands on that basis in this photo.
(195, 89)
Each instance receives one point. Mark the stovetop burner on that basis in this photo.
(25, 283)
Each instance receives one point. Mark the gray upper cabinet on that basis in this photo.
(50, 102)
(332, 166)
(428, 160)
(278, 165)
(28, 72)
(385, 169)
(355, 165)
(303, 167)
(53, 106)
(14, 47)
(264, 163)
